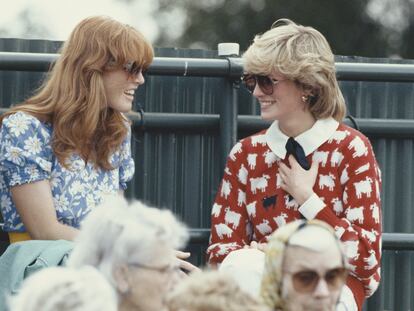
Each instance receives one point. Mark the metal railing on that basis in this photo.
(228, 121)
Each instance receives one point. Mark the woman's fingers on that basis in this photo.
(187, 266)
(182, 255)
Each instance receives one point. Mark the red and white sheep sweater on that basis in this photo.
(250, 203)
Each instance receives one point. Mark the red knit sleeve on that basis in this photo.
(229, 219)
(359, 224)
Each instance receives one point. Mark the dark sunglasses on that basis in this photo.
(307, 280)
(265, 83)
(133, 69)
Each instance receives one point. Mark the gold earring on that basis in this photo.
(305, 99)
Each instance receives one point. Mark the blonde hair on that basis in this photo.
(275, 254)
(211, 291)
(303, 55)
(72, 98)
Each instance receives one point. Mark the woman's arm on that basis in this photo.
(229, 216)
(34, 203)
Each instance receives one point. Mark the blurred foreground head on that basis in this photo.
(211, 291)
(133, 246)
(65, 289)
(305, 268)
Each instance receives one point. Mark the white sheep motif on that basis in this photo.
(259, 183)
(281, 219)
(241, 198)
(242, 175)
(264, 227)
(251, 209)
(270, 158)
(339, 231)
(290, 203)
(223, 230)
(345, 197)
(351, 249)
(336, 158)
(338, 136)
(232, 218)
(375, 212)
(355, 214)
(224, 249)
(259, 139)
(251, 160)
(371, 260)
(225, 188)
(362, 169)
(337, 206)
(237, 148)
(321, 157)
(344, 175)
(363, 186)
(215, 211)
(371, 236)
(327, 181)
(359, 147)
(372, 285)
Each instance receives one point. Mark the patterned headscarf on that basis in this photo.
(271, 288)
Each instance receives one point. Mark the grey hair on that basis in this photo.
(64, 289)
(116, 231)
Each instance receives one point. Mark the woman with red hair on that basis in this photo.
(69, 144)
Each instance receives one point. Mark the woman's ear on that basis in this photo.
(121, 278)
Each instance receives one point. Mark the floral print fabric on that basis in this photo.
(26, 156)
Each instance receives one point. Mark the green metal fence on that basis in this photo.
(194, 110)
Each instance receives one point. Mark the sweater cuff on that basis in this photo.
(311, 207)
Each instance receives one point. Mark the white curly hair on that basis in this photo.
(117, 232)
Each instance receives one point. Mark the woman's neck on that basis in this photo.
(295, 126)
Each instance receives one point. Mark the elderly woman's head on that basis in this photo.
(212, 291)
(305, 267)
(65, 289)
(133, 245)
(300, 54)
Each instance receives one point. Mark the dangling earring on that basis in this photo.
(305, 99)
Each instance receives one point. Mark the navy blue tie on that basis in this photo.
(295, 149)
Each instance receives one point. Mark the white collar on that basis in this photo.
(310, 140)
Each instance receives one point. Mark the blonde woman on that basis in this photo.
(70, 142)
(307, 164)
(305, 268)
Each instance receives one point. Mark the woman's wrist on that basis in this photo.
(303, 196)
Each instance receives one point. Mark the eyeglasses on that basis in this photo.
(133, 69)
(265, 83)
(167, 269)
(307, 280)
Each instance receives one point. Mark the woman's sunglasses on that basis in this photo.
(133, 69)
(307, 280)
(265, 83)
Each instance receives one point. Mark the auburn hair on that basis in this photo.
(72, 97)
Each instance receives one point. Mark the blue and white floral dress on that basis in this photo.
(26, 156)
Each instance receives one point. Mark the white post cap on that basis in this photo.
(228, 49)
